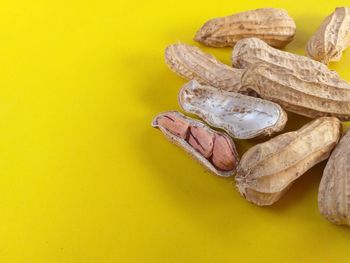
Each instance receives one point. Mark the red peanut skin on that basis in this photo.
(214, 147)
(174, 124)
(223, 156)
(201, 140)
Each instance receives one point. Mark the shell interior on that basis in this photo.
(243, 117)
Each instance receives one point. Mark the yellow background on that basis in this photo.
(84, 177)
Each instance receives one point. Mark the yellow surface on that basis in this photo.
(84, 178)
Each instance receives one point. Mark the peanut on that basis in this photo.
(192, 63)
(201, 140)
(334, 190)
(222, 153)
(272, 25)
(250, 51)
(175, 125)
(267, 170)
(332, 37)
(215, 150)
(241, 116)
(298, 83)
(308, 98)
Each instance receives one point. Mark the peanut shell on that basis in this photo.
(332, 37)
(241, 116)
(251, 51)
(308, 98)
(267, 170)
(192, 63)
(272, 25)
(214, 150)
(334, 190)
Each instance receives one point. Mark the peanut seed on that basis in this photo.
(201, 142)
(223, 156)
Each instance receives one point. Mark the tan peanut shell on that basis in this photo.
(267, 170)
(334, 190)
(273, 25)
(332, 37)
(299, 84)
(241, 116)
(214, 150)
(192, 63)
(310, 99)
(251, 51)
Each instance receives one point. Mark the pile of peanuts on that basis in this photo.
(250, 100)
